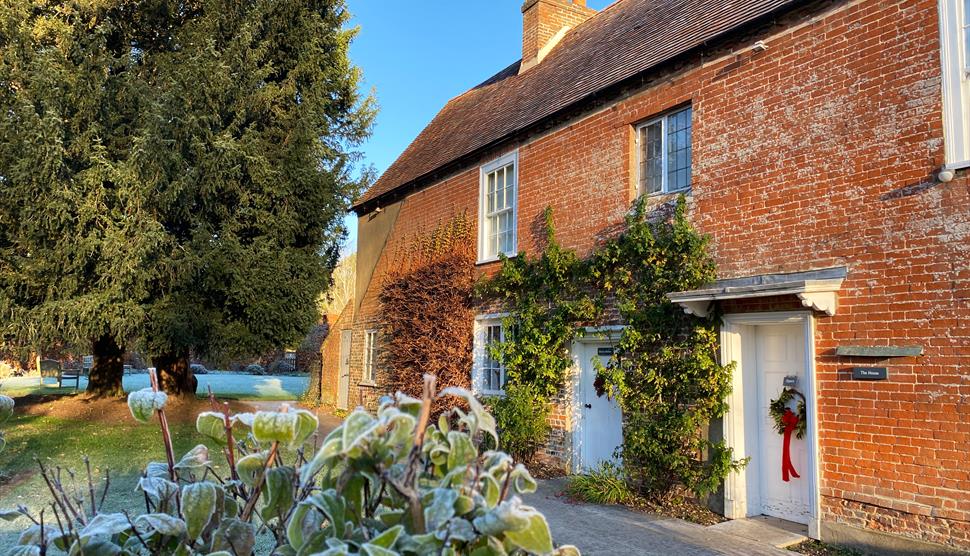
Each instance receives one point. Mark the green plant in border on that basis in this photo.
(547, 299)
(606, 484)
(664, 370)
(522, 417)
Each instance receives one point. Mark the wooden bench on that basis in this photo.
(50, 368)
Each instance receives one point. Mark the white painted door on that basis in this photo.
(780, 352)
(601, 422)
(343, 372)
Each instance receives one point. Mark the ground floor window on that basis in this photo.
(488, 373)
(370, 349)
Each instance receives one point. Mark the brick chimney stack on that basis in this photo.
(544, 23)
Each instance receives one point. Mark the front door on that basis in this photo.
(601, 420)
(343, 372)
(780, 352)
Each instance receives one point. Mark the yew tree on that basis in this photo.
(178, 172)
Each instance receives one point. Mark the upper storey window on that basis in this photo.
(497, 208)
(664, 153)
(955, 35)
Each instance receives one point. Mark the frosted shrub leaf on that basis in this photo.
(198, 505)
(442, 508)
(105, 525)
(478, 418)
(160, 491)
(163, 524)
(306, 425)
(250, 467)
(234, 536)
(510, 515)
(6, 408)
(157, 469)
(274, 426)
(279, 492)
(356, 430)
(212, 425)
(194, 460)
(534, 537)
(10, 515)
(143, 403)
(524, 483)
(331, 447)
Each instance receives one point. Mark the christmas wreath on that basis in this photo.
(780, 405)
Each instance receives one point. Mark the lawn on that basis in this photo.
(233, 386)
(62, 430)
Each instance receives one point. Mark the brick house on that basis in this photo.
(823, 146)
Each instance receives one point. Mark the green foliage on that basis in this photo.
(175, 172)
(384, 484)
(606, 484)
(664, 369)
(546, 300)
(522, 416)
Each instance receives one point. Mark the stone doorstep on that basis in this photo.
(770, 530)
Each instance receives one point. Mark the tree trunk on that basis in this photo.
(174, 375)
(104, 380)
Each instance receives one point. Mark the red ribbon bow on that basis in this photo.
(790, 420)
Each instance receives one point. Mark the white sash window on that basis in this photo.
(497, 209)
(955, 43)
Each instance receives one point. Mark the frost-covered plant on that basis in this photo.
(281, 367)
(255, 369)
(379, 486)
(6, 412)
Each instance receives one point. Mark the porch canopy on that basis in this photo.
(817, 289)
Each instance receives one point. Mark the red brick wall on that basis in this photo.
(820, 151)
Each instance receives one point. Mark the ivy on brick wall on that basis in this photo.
(663, 373)
(545, 299)
(426, 308)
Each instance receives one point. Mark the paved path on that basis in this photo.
(233, 384)
(615, 530)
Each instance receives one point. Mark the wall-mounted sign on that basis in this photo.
(870, 373)
(604, 351)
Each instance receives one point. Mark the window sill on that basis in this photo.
(367, 383)
(686, 191)
(491, 393)
(483, 262)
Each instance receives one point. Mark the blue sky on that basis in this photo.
(417, 55)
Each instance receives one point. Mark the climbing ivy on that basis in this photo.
(664, 371)
(546, 299)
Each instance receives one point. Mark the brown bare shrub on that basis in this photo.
(426, 303)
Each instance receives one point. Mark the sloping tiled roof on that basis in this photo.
(626, 39)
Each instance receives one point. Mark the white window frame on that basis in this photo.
(664, 187)
(479, 352)
(483, 230)
(956, 84)
(369, 370)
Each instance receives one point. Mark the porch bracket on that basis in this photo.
(817, 289)
(826, 302)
